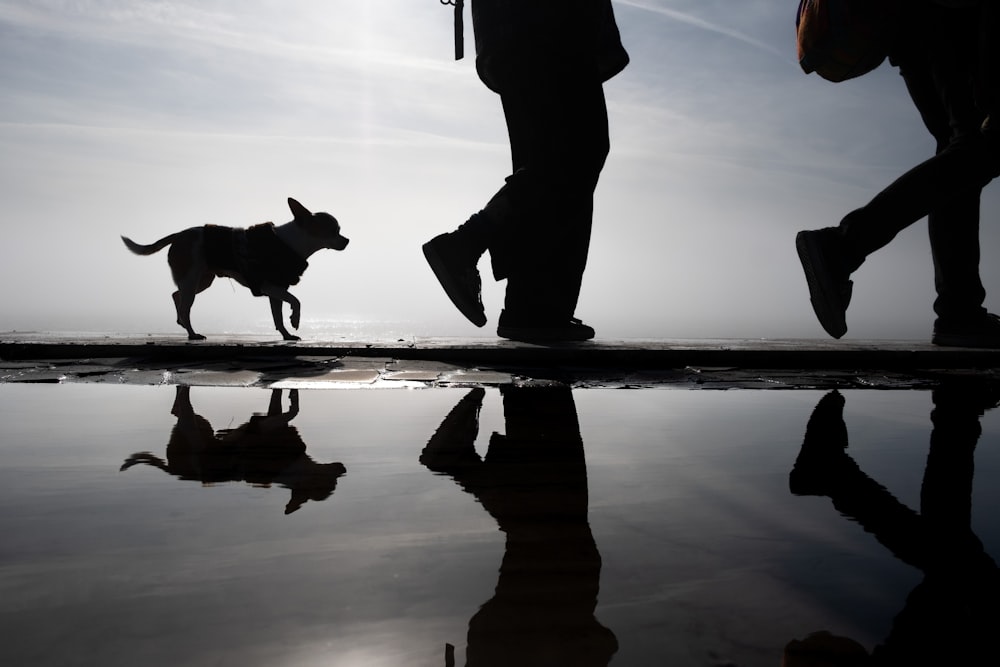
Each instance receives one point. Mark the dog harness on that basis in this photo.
(254, 256)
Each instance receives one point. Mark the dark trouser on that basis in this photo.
(989, 48)
(558, 126)
(940, 76)
(946, 103)
(546, 60)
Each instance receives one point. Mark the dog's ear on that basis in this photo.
(298, 210)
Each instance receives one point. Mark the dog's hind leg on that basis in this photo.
(191, 274)
(184, 299)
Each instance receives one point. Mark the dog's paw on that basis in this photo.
(195, 337)
(289, 336)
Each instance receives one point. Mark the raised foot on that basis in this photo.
(455, 268)
(821, 254)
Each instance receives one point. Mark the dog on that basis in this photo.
(265, 258)
(266, 450)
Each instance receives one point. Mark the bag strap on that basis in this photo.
(459, 27)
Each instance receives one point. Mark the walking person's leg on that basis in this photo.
(945, 188)
(559, 141)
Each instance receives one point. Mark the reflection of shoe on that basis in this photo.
(453, 443)
(456, 270)
(544, 332)
(981, 331)
(826, 273)
(822, 457)
(823, 648)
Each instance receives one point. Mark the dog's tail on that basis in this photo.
(140, 249)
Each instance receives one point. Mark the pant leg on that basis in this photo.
(558, 126)
(988, 93)
(944, 95)
(940, 79)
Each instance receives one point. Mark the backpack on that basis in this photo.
(843, 39)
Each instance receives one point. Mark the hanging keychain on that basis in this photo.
(459, 27)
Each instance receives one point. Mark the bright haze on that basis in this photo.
(143, 117)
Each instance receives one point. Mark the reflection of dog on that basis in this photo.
(266, 450)
(265, 258)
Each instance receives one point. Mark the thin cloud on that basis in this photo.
(173, 25)
(697, 22)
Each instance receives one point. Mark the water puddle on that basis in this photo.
(176, 525)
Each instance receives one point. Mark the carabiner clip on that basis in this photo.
(459, 26)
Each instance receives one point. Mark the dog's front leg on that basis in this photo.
(278, 296)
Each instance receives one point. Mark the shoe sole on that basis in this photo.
(534, 335)
(822, 292)
(967, 341)
(472, 312)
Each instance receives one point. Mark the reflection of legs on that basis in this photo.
(943, 525)
(274, 406)
(542, 612)
(823, 468)
(946, 494)
(951, 616)
(533, 482)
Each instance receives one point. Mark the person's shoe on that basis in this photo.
(827, 276)
(458, 275)
(572, 330)
(823, 458)
(452, 446)
(982, 331)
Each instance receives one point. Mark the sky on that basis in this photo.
(145, 117)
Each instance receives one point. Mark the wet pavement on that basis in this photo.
(228, 503)
(250, 361)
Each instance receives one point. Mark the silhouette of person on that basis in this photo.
(547, 61)
(951, 617)
(533, 482)
(946, 56)
(264, 451)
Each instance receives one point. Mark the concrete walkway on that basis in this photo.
(254, 361)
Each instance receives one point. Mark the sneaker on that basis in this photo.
(822, 459)
(451, 448)
(459, 278)
(829, 288)
(544, 332)
(982, 331)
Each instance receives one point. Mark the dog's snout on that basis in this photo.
(341, 243)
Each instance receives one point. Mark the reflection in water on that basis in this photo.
(950, 618)
(264, 451)
(533, 482)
